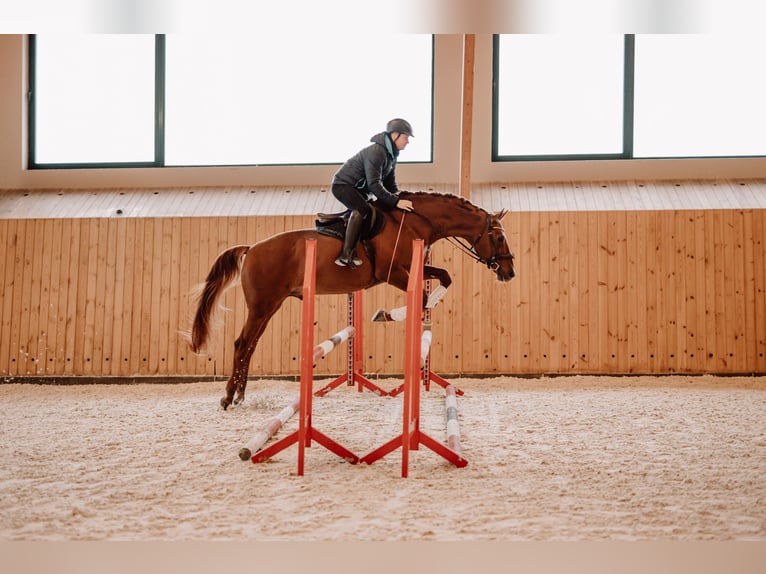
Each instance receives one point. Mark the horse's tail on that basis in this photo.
(224, 274)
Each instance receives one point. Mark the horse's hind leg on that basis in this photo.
(244, 347)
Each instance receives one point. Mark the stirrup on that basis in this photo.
(351, 262)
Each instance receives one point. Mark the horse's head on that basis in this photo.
(492, 248)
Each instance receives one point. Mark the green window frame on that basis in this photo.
(636, 114)
(350, 131)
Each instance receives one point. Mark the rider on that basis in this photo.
(370, 175)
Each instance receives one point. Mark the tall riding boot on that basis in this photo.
(348, 257)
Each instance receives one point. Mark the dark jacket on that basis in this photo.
(373, 170)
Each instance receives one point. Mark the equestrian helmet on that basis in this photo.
(400, 126)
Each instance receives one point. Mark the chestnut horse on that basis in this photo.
(272, 270)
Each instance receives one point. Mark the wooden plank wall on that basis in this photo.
(649, 291)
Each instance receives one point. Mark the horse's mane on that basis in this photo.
(415, 195)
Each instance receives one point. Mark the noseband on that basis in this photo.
(493, 262)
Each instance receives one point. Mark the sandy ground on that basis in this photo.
(553, 459)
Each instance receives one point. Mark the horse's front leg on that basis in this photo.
(443, 276)
(429, 300)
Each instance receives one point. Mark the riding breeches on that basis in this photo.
(352, 198)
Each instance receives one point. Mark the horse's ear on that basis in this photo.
(500, 214)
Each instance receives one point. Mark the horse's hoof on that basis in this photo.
(380, 316)
(245, 454)
(225, 403)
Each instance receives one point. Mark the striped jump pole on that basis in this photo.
(453, 428)
(269, 429)
(354, 374)
(329, 344)
(306, 431)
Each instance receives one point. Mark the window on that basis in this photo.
(93, 99)
(700, 96)
(559, 95)
(653, 96)
(182, 100)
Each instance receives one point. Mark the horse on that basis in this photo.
(272, 269)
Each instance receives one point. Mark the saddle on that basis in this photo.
(334, 224)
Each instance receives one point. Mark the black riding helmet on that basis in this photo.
(400, 126)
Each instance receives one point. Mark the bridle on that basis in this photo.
(493, 262)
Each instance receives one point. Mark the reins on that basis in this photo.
(396, 244)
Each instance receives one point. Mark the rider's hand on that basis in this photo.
(405, 205)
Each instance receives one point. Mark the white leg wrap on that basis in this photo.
(398, 314)
(436, 296)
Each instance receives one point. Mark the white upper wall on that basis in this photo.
(448, 61)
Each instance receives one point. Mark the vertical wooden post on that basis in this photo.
(466, 124)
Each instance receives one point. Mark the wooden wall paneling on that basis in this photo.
(631, 293)
(697, 343)
(149, 303)
(534, 279)
(168, 320)
(559, 257)
(748, 296)
(719, 271)
(105, 296)
(45, 335)
(82, 343)
(133, 297)
(730, 289)
(30, 320)
(613, 310)
(73, 230)
(640, 300)
(567, 307)
(104, 277)
(676, 301)
(181, 353)
(625, 237)
(523, 266)
(759, 270)
(129, 306)
(154, 302)
(651, 282)
(584, 291)
(527, 250)
(552, 303)
(600, 321)
(31, 302)
(448, 339)
(375, 335)
(710, 292)
(9, 241)
(564, 253)
(513, 322)
(664, 311)
(21, 282)
(740, 271)
(57, 299)
(685, 260)
(695, 292)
